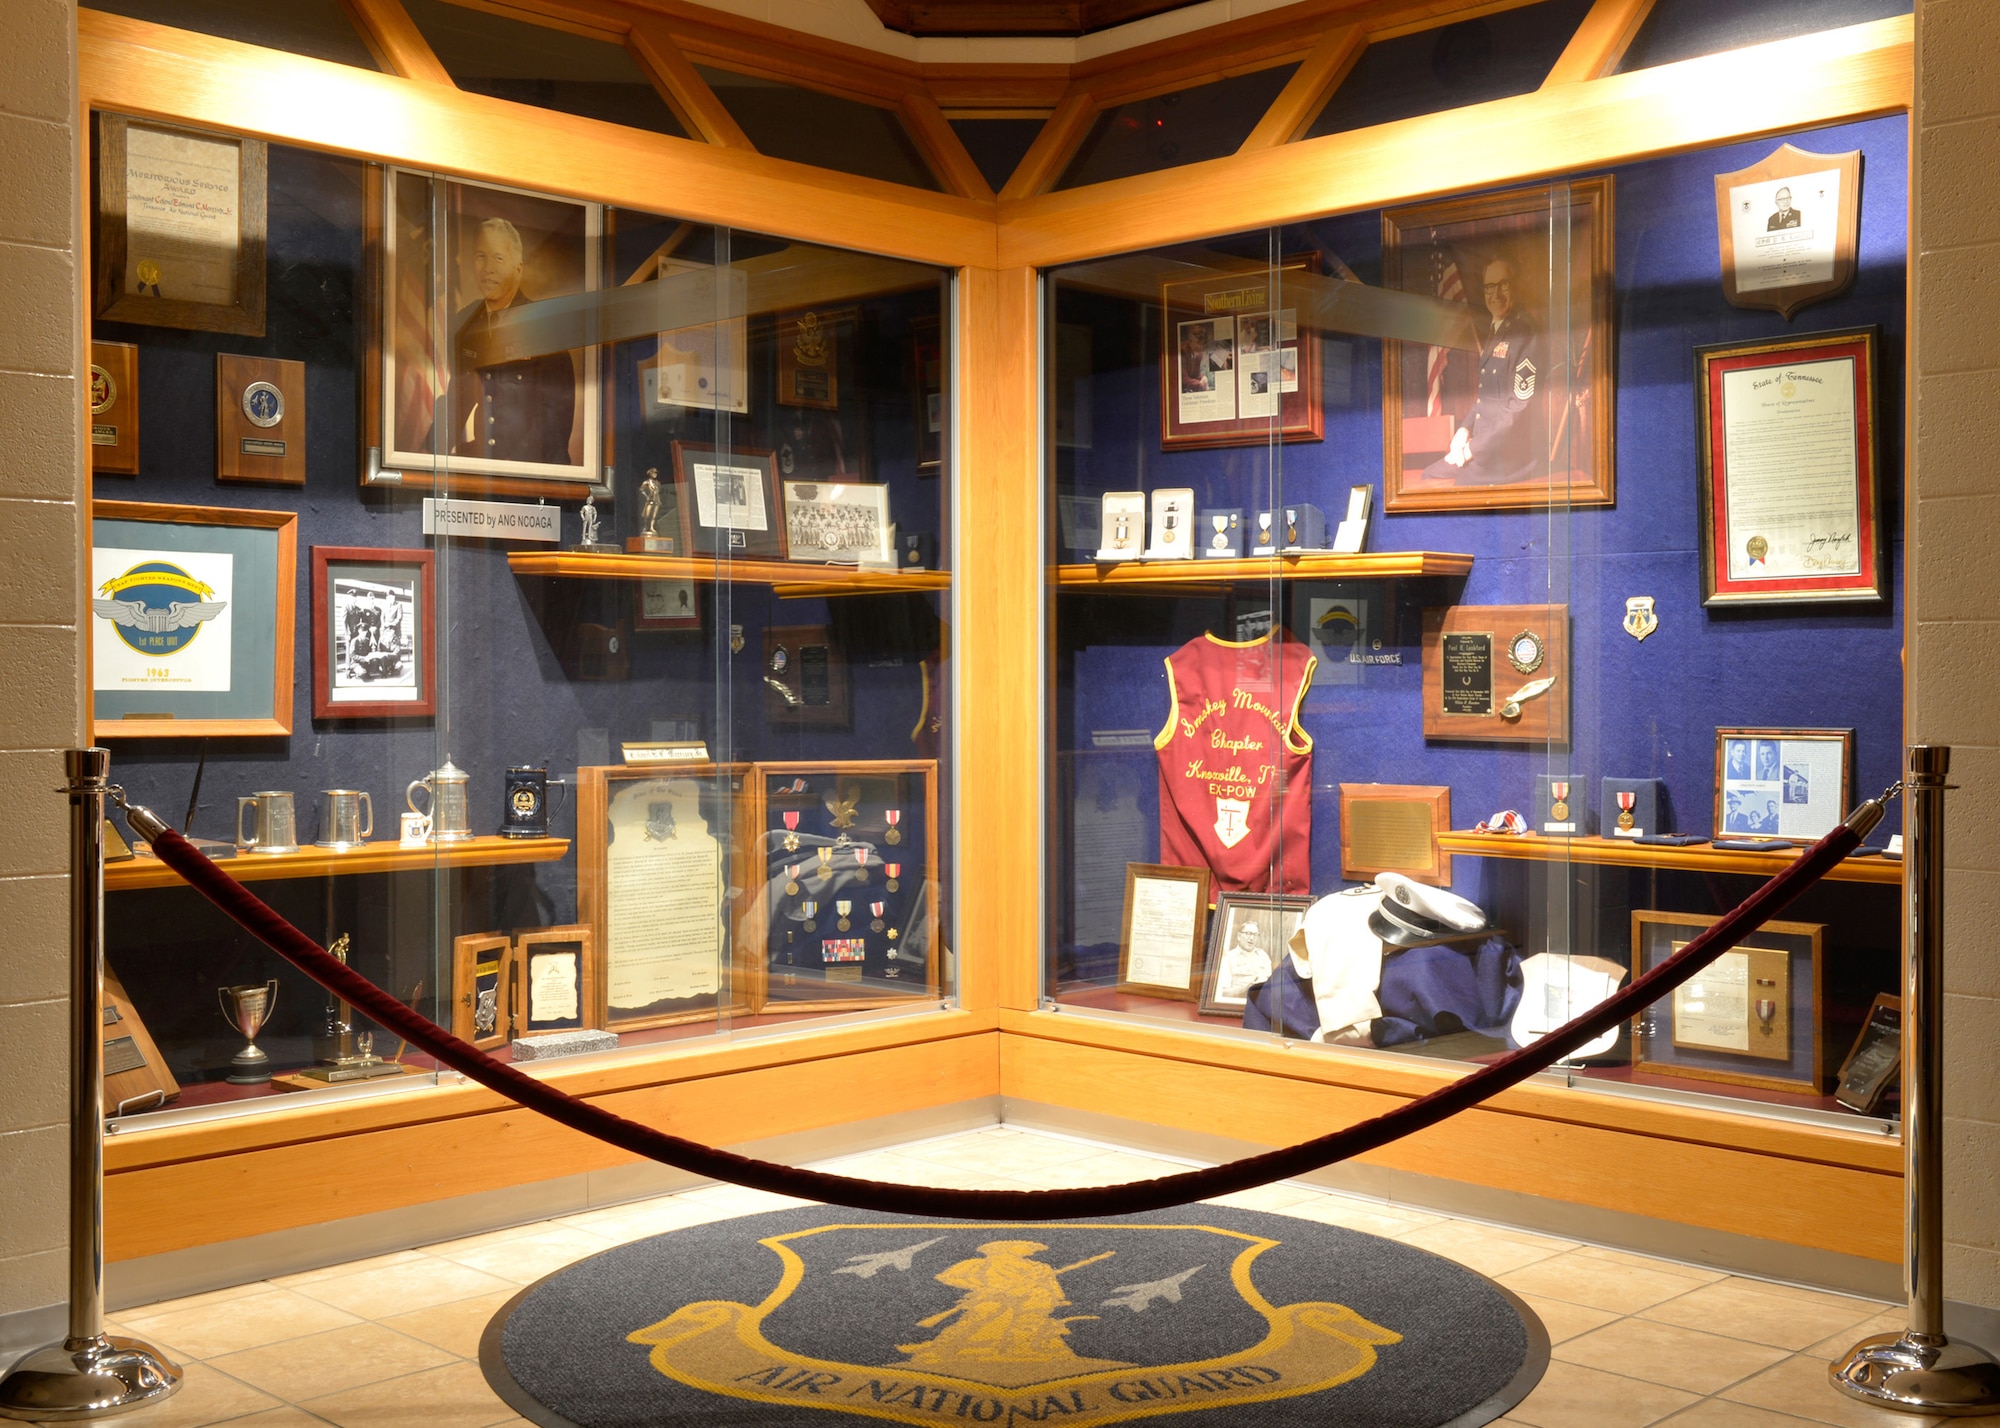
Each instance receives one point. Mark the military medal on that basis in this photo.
(1291, 528)
(1626, 798)
(781, 660)
(1263, 528)
(825, 863)
(1221, 524)
(811, 910)
(841, 810)
(895, 834)
(791, 880)
(843, 907)
(895, 871)
(892, 934)
(792, 831)
(1525, 652)
(1170, 536)
(1559, 809)
(876, 907)
(860, 863)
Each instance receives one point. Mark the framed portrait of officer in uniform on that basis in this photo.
(1526, 419)
(470, 376)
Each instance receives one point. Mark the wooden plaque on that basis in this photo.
(114, 409)
(260, 419)
(136, 1077)
(1787, 228)
(809, 358)
(546, 1007)
(805, 679)
(1393, 828)
(1480, 659)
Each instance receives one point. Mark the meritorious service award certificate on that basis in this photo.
(1790, 471)
(183, 200)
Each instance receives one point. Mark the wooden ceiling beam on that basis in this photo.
(997, 86)
(1600, 41)
(393, 38)
(1043, 164)
(1307, 91)
(701, 113)
(942, 149)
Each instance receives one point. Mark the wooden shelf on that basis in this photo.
(1311, 565)
(1696, 858)
(381, 857)
(790, 579)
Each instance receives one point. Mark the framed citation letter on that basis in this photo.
(1166, 920)
(1791, 502)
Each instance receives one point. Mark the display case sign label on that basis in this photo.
(492, 520)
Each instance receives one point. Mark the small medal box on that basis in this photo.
(1172, 534)
(1630, 807)
(1221, 532)
(1559, 810)
(1289, 528)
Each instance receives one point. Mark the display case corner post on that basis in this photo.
(1922, 1369)
(89, 1374)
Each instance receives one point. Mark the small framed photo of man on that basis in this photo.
(464, 382)
(374, 633)
(1517, 412)
(1247, 941)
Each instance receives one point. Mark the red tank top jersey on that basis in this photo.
(1235, 766)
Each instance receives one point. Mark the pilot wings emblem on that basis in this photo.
(157, 607)
(138, 615)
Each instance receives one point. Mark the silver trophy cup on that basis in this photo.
(248, 1008)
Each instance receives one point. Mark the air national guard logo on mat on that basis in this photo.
(157, 608)
(1640, 620)
(1009, 1324)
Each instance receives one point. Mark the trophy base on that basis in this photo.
(1919, 1375)
(80, 1379)
(340, 1075)
(524, 832)
(464, 837)
(337, 846)
(649, 545)
(271, 850)
(598, 547)
(249, 1067)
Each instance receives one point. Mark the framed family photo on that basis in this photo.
(1248, 935)
(1787, 785)
(463, 388)
(1235, 363)
(1525, 420)
(191, 620)
(374, 633)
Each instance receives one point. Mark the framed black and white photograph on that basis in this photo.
(1248, 934)
(462, 381)
(731, 497)
(374, 626)
(1787, 785)
(838, 522)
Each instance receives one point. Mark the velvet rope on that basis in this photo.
(239, 903)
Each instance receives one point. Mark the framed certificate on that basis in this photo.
(191, 620)
(557, 980)
(1752, 1018)
(1235, 363)
(180, 226)
(1791, 502)
(1786, 785)
(731, 497)
(1166, 917)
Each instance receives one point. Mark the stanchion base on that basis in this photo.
(87, 1378)
(1920, 1375)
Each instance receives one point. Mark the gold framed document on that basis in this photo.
(1791, 501)
(1751, 1018)
(1166, 922)
(180, 226)
(1787, 228)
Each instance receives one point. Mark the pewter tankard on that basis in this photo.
(273, 828)
(447, 813)
(341, 826)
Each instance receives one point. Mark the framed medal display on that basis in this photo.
(1791, 502)
(1752, 1018)
(481, 993)
(114, 409)
(191, 630)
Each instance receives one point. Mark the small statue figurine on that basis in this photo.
(589, 514)
(649, 502)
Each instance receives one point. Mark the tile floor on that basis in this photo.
(394, 1340)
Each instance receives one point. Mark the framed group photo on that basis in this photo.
(838, 521)
(191, 620)
(1525, 420)
(460, 384)
(374, 633)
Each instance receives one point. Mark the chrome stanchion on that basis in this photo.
(1921, 1370)
(87, 1375)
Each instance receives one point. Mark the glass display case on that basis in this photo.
(542, 603)
(1455, 607)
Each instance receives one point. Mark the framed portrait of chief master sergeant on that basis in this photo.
(1525, 419)
(471, 372)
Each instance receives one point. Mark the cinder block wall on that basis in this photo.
(1954, 544)
(41, 641)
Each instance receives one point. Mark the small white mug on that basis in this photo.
(416, 829)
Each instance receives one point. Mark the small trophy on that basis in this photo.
(347, 1055)
(649, 541)
(591, 522)
(248, 1008)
